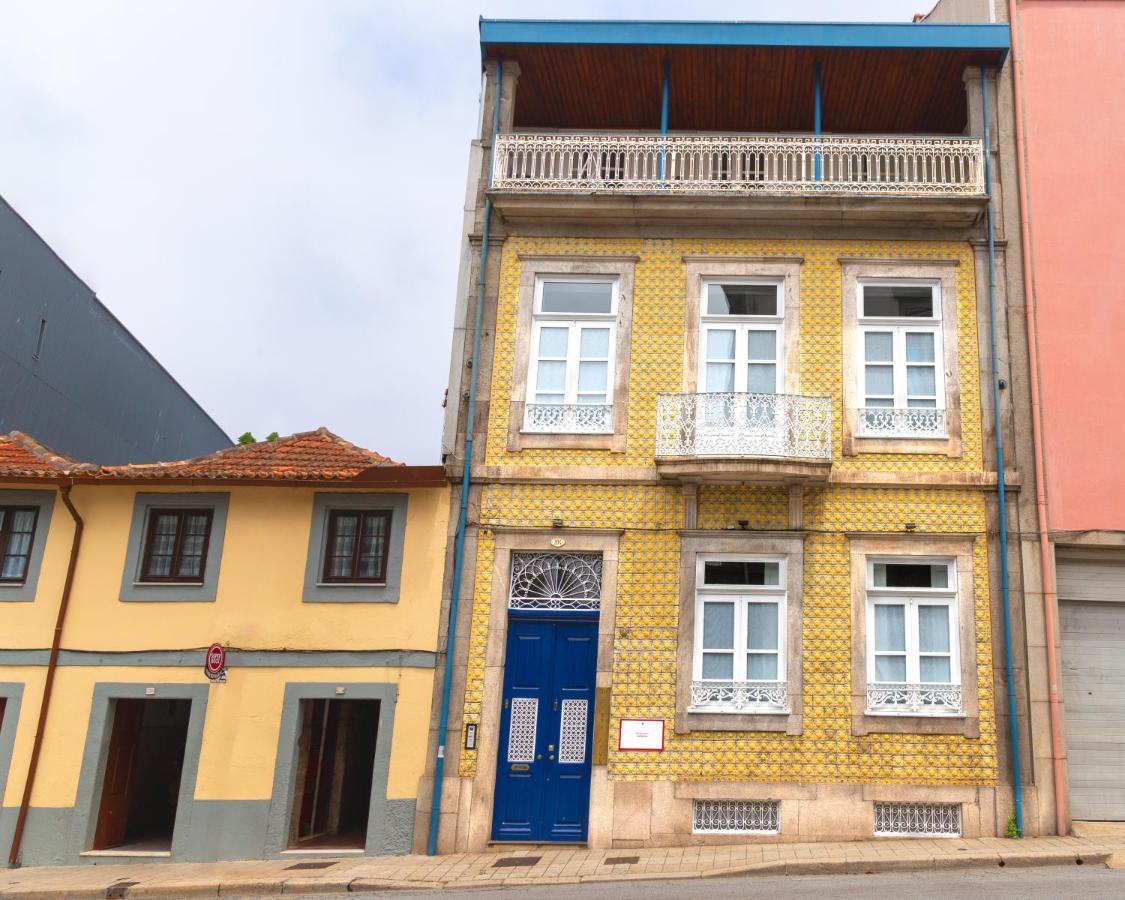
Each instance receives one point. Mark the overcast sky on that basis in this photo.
(267, 193)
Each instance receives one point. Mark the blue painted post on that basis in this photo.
(663, 116)
(816, 116)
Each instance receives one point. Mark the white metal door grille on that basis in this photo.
(572, 731)
(918, 819)
(521, 730)
(736, 817)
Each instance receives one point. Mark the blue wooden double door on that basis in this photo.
(546, 729)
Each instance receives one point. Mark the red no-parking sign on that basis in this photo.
(215, 663)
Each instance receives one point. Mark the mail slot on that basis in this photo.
(521, 767)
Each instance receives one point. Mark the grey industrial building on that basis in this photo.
(73, 377)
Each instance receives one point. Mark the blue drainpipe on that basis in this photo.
(1013, 727)
(462, 515)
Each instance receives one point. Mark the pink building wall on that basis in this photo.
(1074, 97)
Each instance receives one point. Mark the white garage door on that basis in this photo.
(1092, 618)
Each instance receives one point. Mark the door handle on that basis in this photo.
(540, 756)
(552, 756)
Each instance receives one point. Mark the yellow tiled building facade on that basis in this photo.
(877, 493)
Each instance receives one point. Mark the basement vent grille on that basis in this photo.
(736, 817)
(918, 819)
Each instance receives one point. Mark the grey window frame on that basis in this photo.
(315, 589)
(133, 589)
(44, 501)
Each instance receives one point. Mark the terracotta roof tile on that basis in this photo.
(311, 455)
(24, 457)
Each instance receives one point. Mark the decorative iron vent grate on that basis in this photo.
(736, 817)
(918, 819)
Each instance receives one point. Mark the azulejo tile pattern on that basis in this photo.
(647, 599)
(657, 340)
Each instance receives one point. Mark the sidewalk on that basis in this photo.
(545, 865)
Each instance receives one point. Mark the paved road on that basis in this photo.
(1088, 882)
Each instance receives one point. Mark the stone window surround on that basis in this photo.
(942, 271)
(133, 589)
(45, 501)
(533, 267)
(314, 589)
(507, 541)
(776, 543)
(785, 268)
(958, 546)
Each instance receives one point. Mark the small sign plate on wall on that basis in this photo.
(641, 734)
(215, 663)
(471, 736)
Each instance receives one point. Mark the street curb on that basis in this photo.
(342, 885)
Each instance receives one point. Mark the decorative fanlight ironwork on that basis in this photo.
(556, 581)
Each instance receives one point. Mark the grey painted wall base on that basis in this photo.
(218, 830)
(46, 836)
(206, 830)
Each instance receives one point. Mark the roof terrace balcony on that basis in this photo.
(635, 178)
(709, 125)
(717, 165)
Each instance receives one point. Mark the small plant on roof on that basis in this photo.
(247, 438)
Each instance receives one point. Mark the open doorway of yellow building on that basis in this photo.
(141, 780)
(335, 768)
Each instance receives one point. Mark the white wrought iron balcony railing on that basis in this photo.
(914, 699)
(739, 696)
(721, 424)
(901, 422)
(567, 418)
(741, 164)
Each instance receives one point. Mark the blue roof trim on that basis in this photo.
(856, 35)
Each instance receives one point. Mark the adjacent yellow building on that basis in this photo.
(313, 564)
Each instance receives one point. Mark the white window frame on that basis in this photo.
(575, 322)
(741, 325)
(899, 327)
(741, 596)
(912, 599)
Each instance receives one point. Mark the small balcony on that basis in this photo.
(900, 698)
(567, 418)
(739, 696)
(743, 436)
(901, 422)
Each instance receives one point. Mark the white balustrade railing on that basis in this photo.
(568, 418)
(768, 164)
(901, 422)
(722, 424)
(914, 699)
(739, 696)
